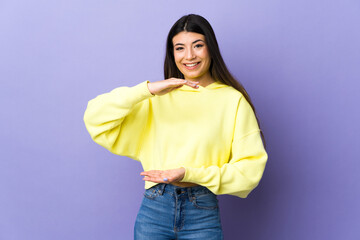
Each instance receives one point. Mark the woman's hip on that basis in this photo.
(180, 210)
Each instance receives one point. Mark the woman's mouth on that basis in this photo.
(191, 66)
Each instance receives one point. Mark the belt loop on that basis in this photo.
(162, 188)
(189, 190)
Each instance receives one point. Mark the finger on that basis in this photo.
(159, 175)
(184, 80)
(194, 84)
(156, 180)
(152, 173)
(151, 179)
(149, 172)
(163, 176)
(179, 83)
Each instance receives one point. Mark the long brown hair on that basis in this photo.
(218, 70)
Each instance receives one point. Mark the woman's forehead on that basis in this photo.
(187, 37)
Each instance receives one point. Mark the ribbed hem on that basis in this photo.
(149, 184)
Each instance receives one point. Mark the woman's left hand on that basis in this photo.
(164, 176)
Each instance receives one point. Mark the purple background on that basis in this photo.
(299, 61)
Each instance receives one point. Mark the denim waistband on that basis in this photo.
(196, 190)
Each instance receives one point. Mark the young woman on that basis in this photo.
(195, 133)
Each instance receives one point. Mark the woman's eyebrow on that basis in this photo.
(192, 42)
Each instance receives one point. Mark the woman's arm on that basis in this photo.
(247, 160)
(116, 120)
(244, 169)
(240, 175)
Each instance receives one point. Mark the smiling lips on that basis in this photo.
(191, 66)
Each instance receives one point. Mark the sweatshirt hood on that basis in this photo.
(211, 86)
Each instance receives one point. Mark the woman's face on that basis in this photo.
(191, 55)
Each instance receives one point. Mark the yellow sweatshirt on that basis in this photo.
(210, 131)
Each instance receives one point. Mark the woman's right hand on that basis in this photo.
(164, 86)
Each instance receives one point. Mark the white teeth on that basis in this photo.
(190, 65)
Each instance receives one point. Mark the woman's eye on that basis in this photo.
(179, 48)
(199, 45)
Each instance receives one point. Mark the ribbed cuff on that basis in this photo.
(147, 81)
(188, 177)
(143, 90)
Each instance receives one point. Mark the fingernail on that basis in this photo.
(165, 179)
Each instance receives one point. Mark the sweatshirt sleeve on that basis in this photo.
(116, 120)
(242, 173)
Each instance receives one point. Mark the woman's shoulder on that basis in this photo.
(231, 92)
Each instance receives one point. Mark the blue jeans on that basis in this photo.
(171, 212)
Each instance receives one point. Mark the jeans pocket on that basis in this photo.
(151, 193)
(205, 201)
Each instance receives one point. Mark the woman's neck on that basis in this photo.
(204, 80)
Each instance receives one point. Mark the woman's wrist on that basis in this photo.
(149, 88)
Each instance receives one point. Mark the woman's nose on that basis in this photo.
(190, 54)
